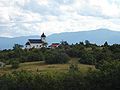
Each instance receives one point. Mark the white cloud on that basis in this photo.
(42, 2)
(32, 17)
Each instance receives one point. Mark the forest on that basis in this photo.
(105, 76)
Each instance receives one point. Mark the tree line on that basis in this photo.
(87, 53)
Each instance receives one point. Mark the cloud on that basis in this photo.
(32, 17)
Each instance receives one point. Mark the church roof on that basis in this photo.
(43, 35)
(35, 41)
(27, 43)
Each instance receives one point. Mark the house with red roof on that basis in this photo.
(54, 45)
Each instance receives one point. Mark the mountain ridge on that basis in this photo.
(98, 36)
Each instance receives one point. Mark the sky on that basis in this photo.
(33, 17)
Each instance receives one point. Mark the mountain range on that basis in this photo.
(98, 36)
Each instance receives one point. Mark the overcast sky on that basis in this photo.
(32, 17)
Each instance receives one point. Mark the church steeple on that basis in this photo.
(43, 37)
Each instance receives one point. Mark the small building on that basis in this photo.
(54, 45)
(36, 43)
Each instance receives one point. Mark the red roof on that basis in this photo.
(55, 44)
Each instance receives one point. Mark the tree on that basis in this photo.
(73, 52)
(33, 56)
(87, 58)
(87, 43)
(106, 44)
(81, 43)
(17, 50)
(17, 46)
(64, 43)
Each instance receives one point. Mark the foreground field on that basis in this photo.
(40, 66)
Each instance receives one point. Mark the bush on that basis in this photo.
(73, 52)
(56, 58)
(34, 57)
(106, 78)
(73, 68)
(15, 64)
(24, 80)
(87, 59)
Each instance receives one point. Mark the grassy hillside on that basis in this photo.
(40, 66)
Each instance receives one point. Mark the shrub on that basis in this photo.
(34, 57)
(15, 64)
(56, 58)
(73, 68)
(87, 59)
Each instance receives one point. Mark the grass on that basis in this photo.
(40, 66)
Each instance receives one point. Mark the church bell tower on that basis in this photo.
(43, 37)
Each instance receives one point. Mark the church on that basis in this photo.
(36, 43)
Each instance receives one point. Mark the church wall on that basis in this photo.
(36, 45)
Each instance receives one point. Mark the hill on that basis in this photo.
(8, 43)
(98, 36)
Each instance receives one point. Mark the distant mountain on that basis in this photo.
(98, 36)
(8, 43)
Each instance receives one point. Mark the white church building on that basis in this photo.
(36, 43)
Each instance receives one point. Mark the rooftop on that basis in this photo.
(43, 35)
(35, 41)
